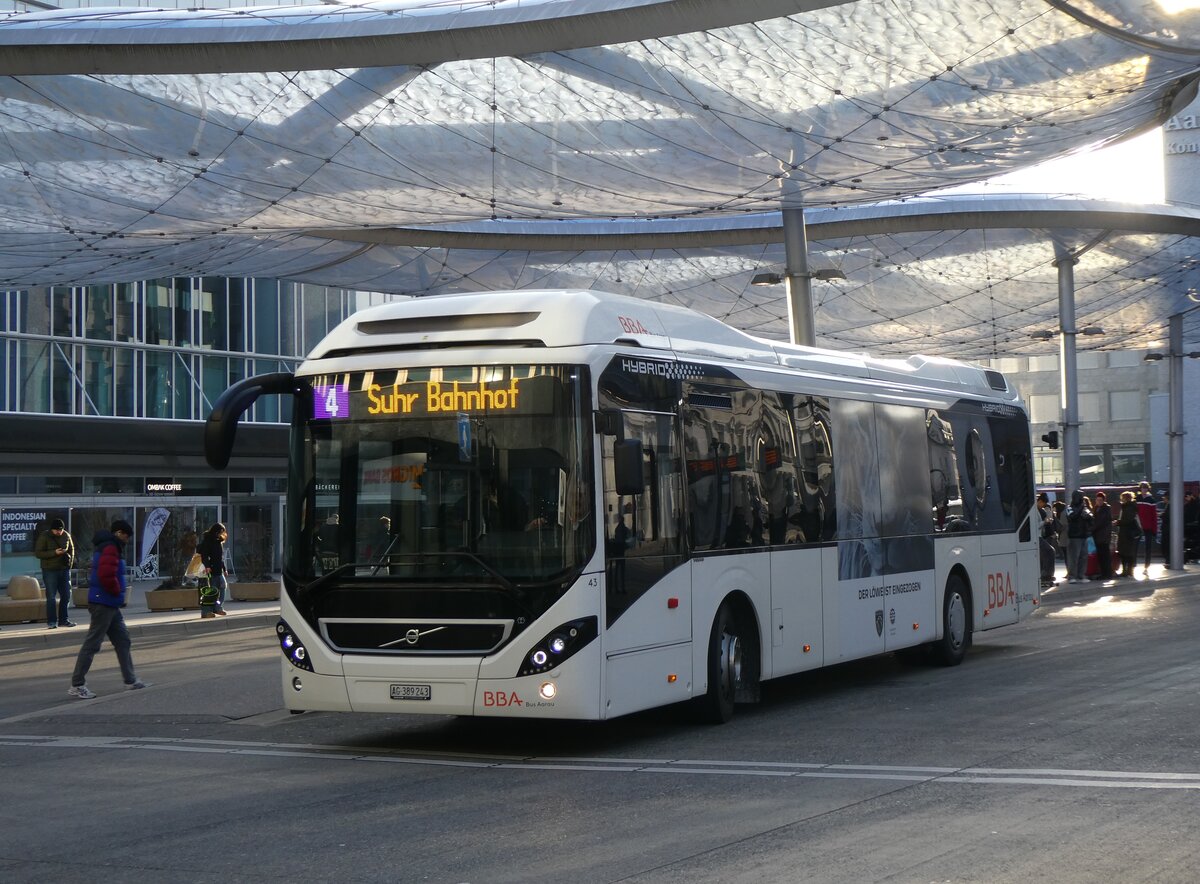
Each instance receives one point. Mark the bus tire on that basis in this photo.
(725, 667)
(951, 648)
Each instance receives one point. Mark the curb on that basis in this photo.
(1095, 589)
(189, 628)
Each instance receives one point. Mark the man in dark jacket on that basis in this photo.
(106, 597)
(1102, 535)
(56, 550)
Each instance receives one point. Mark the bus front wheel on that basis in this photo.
(725, 666)
(951, 648)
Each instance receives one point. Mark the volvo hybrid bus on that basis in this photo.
(569, 504)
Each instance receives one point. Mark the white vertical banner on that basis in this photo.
(155, 520)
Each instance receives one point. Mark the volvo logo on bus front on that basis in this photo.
(412, 636)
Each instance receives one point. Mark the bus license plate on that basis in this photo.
(411, 692)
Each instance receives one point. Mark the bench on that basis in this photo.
(25, 600)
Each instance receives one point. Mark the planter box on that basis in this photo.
(266, 591)
(79, 596)
(173, 599)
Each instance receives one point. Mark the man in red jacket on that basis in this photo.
(106, 597)
(1147, 510)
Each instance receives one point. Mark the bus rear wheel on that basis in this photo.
(951, 648)
(726, 649)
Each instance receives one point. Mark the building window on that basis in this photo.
(1125, 358)
(1091, 466)
(1043, 409)
(1043, 363)
(1089, 407)
(1048, 467)
(1090, 359)
(1008, 364)
(1125, 405)
(1128, 465)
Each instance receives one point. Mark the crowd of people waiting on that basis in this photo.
(1100, 540)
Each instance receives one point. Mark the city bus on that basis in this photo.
(577, 505)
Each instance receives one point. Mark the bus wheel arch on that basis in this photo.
(957, 620)
(733, 659)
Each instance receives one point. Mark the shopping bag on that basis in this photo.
(208, 592)
(195, 567)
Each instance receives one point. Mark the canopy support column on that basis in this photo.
(801, 321)
(1069, 397)
(1175, 433)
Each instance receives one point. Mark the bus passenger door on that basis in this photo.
(642, 541)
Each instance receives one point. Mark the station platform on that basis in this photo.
(140, 620)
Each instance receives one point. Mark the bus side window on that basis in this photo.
(944, 483)
(814, 517)
(645, 523)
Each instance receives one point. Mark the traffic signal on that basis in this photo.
(1051, 438)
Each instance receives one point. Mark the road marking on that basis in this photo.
(1092, 779)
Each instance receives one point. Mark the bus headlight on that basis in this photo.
(558, 645)
(295, 652)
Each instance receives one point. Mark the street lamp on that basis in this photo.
(1041, 335)
(825, 275)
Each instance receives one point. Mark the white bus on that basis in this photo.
(570, 504)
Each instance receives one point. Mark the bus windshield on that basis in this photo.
(460, 474)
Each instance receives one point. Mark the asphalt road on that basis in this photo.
(1064, 749)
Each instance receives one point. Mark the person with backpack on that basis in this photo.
(1079, 529)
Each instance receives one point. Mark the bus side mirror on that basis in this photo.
(221, 426)
(627, 465)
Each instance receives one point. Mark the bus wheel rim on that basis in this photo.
(956, 620)
(731, 662)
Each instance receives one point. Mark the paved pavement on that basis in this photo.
(141, 620)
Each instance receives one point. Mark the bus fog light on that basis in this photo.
(547, 691)
(296, 685)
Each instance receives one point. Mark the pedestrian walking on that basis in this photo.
(212, 553)
(106, 597)
(1079, 529)
(1147, 510)
(1102, 524)
(56, 550)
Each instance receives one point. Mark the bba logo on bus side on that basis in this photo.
(1000, 590)
(501, 699)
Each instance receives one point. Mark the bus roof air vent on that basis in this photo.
(995, 380)
(448, 323)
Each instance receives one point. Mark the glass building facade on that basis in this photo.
(103, 390)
